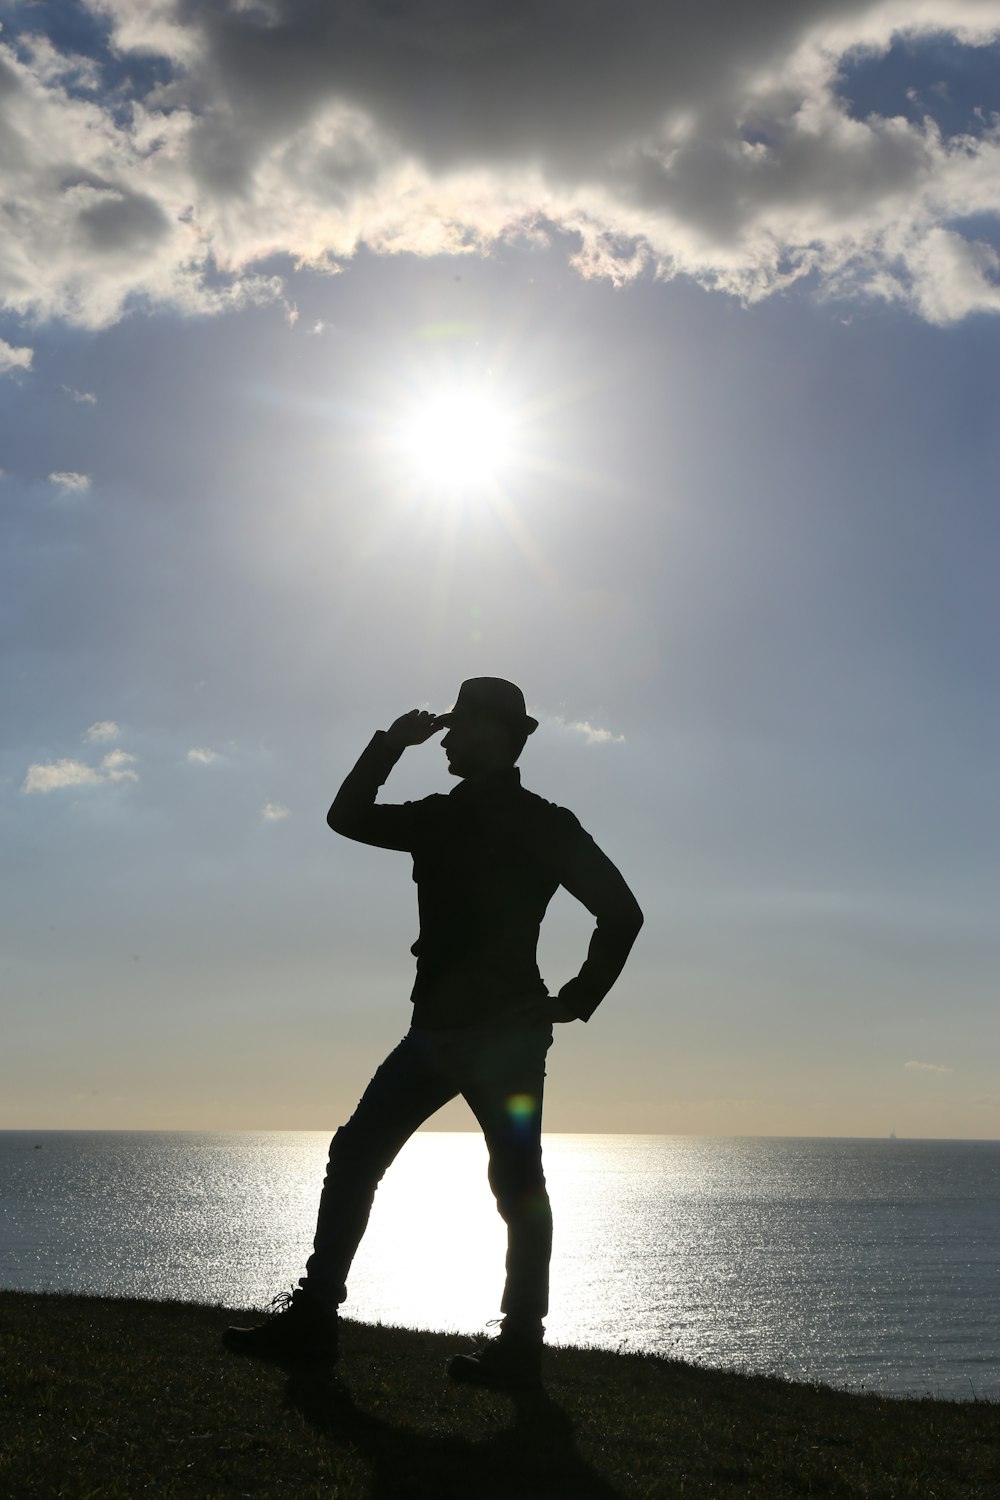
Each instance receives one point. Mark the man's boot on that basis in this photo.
(512, 1361)
(298, 1327)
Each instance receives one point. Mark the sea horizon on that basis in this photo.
(705, 1135)
(867, 1263)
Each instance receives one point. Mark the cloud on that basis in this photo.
(202, 756)
(102, 731)
(273, 812)
(57, 774)
(71, 483)
(711, 142)
(87, 398)
(117, 766)
(593, 735)
(923, 1067)
(54, 776)
(13, 358)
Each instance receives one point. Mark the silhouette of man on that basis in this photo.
(487, 859)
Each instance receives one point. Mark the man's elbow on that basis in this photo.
(632, 918)
(339, 820)
(624, 923)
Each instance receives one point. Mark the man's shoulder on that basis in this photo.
(433, 804)
(549, 815)
(542, 804)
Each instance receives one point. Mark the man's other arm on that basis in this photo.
(588, 874)
(354, 811)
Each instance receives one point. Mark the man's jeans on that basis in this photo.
(499, 1070)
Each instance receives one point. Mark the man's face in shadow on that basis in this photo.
(475, 744)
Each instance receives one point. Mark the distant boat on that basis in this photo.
(892, 1135)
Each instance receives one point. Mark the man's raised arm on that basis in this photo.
(354, 811)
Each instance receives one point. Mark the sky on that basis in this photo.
(641, 353)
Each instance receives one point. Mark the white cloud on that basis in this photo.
(71, 483)
(117, 766)
(924, 1067)
(87, 398)
(102, 731)
(14, 358)
(707, 141)
(202, 756)
(273, 812)
(591, 732)
(55, 775)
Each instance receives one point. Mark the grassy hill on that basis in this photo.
(110, 1399)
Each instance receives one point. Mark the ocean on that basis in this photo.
(868, 1265)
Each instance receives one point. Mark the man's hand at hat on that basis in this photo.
(413, 728)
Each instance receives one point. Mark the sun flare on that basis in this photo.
(456, 442)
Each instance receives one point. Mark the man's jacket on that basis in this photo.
(487, 859)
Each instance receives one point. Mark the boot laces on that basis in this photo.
(282, 1303)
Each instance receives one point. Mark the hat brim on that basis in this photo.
(445, 721)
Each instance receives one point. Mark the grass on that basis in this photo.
(119, 1399)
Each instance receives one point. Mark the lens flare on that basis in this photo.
(522, 1107)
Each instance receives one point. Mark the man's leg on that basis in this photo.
(405, 1091)
(504, 1086)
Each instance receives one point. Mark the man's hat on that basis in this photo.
(494, 698)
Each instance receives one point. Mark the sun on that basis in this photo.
(456, 442)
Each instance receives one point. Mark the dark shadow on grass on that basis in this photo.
(535, 1458)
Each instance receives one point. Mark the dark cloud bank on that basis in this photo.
(714, 142)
